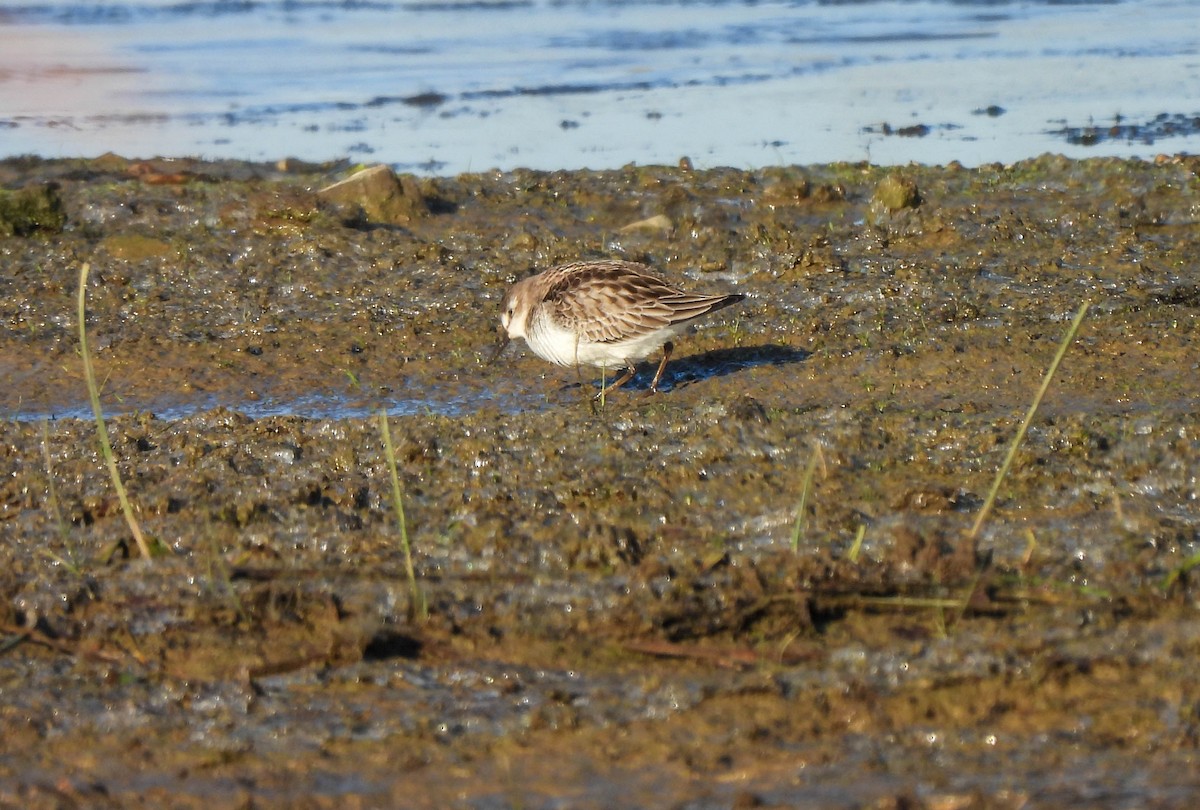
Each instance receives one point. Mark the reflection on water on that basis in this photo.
(464, 397)
(444, 87)
(327, 405)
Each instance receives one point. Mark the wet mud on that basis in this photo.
(760, 587)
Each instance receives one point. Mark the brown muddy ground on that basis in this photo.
(757, 588)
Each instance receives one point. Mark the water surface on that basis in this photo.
(445, 87)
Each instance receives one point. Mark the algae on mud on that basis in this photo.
(616, 612)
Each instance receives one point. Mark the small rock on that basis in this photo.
(896, 191)
(522, 241)
(111, 162)
(380, 195)
(156, 173)
(30, 209)
(429, 99)
(788, 191)
(658, 222)
(134, 247)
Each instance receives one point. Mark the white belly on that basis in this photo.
(565, 348)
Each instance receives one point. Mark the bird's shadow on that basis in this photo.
(685, 370)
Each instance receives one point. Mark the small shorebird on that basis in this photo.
(605, 313)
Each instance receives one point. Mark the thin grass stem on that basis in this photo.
(805, 486)
(990, 501)
(417, 606)
(856, 549)
(110, 460)
(1184, 568)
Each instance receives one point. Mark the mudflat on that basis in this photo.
(766, 585)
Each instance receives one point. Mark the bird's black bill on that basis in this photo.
(499, 350)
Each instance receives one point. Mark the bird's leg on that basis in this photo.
(630, 370)
(668, 347)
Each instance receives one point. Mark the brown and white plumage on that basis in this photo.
(601, 313)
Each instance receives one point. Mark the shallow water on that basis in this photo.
(446, 87)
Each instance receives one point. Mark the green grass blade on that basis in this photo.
(417, 604)
(856, 548)
(1037, 401)
(110, 460)
(805, 486)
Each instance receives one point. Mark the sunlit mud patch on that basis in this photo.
(763, 586)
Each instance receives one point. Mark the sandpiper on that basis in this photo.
(605, 313)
